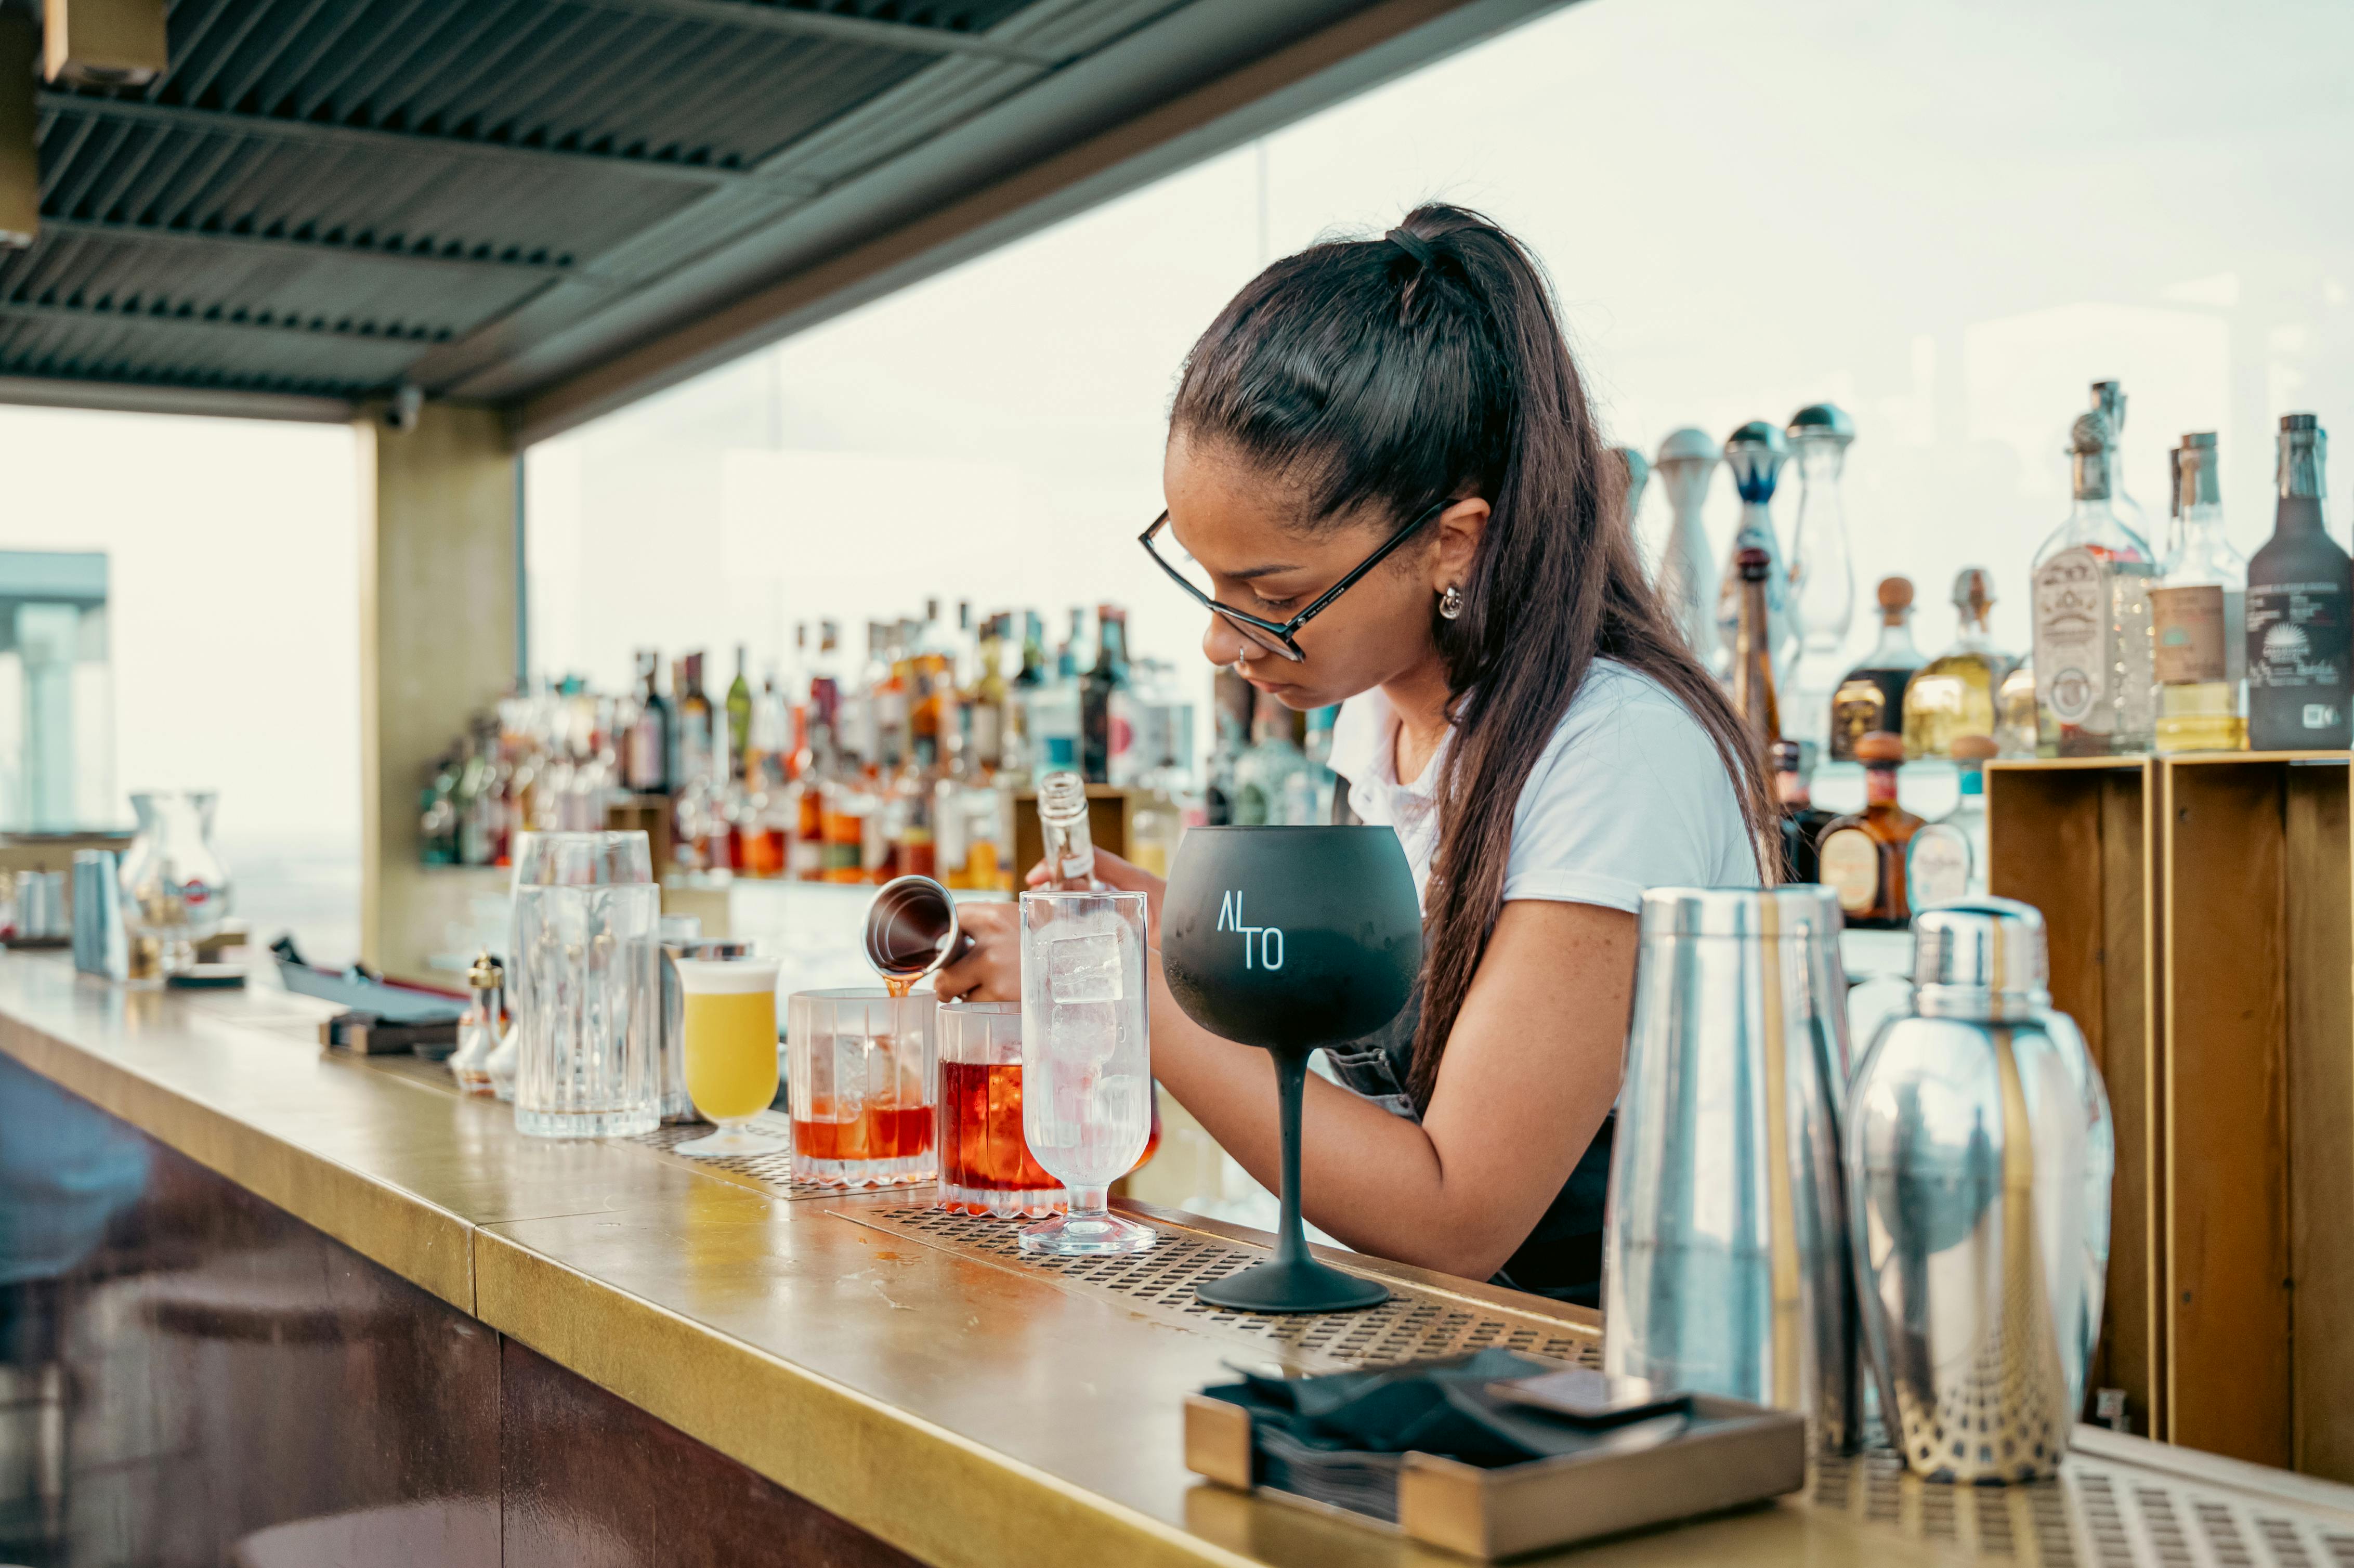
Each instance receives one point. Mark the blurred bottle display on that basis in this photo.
(1861, 856)
(1822, 574)
(1755, 453)
(1687, 572)
(910, 763)
(1871, 698)
(2300, 637)
(1107, 738)
(2198, 616)
(2093, 576)
(1954, 693)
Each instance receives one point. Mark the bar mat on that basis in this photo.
(1415, 1324)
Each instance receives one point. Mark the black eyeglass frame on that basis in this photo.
(1284, 631)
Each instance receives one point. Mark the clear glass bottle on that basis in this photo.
(2300, 592)
(2109, 402)
(1755, 453)
(1063, 825)
(1872, 696)
(1954, 693)
(1947, 858)
(2092, 580)
(2199, 617)
(1862, 855)
(1752, 654)
(1822, 574)
(1107, 730)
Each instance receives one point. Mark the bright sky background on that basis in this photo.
(1947, 217)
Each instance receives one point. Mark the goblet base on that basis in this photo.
(1298, 1285)
(728, 1141)
(1087, 1235)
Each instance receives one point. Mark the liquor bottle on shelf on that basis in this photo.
(1755, 453)
(1106, 730)
(645, 765)
(1638, 479)
(691, 739)
(1823, 575)
(1802, 822)
(1230, 711)
(2092, 617)
(1947, 858)
(2109, 402)
(1954, 693)
(1752, 654)
(2198, 616)
(2014, 712)
(1687, 574)
(1055, 709)
(1871, 697)
(740, 711)
(986, 700)
(2300, 593)
(1862, 856)
(1022, 763)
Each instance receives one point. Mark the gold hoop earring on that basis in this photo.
(1450, 603)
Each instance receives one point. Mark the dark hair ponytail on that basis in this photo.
(1400, 372)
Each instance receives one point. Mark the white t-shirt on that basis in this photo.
(1630, 794)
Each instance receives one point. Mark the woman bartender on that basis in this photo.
(1385, 486)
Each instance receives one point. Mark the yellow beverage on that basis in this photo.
(731, 1052)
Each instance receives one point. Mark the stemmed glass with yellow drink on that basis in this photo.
(730, 1038)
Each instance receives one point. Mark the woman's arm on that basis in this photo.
(1531, 1069)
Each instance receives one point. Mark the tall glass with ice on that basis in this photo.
(1087, 1074)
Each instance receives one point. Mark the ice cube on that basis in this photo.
(1083, 968)
(1083, 1033)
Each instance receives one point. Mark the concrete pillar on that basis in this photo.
(438, 604)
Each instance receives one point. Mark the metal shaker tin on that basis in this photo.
(1979, 1156)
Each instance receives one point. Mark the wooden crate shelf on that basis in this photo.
(2201, 912)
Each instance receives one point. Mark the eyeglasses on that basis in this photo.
(1275, 636)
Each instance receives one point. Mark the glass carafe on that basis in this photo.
(175, 889)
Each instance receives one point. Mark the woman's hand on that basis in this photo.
(990, 971)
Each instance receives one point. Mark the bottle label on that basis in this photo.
(2093, 669)
(2299, 639)
(1850, 869)
(2187, 626)
(1879, 785)
(646, 758)
(1937, 866)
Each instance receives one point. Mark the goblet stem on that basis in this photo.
(1291, 1090)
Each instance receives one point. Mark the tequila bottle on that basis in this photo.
(1753, 657)
(1823, 575)
(2092, 617)
(2109, 402)
(1947, 858)
(1802, 822)
(1871, 697)
(1954, 694)
(2299, 589)
(1755, 453)
(1687, 576)
(1863, 853)
(2198, 616)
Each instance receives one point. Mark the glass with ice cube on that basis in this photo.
(1087, 1075)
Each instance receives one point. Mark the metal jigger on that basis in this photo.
(1291, 939)
(1687, 462)
(1755, 453)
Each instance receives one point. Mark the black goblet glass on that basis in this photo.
(1290, 939)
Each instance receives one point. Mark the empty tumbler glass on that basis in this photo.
(1086, 1074)
(586, 993)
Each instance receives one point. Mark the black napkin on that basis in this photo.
(1341, 1438)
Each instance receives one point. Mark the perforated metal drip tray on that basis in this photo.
(2103, 1512)
(771, 1173)
(1415, 1324)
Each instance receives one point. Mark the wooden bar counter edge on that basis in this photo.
(960, 1410)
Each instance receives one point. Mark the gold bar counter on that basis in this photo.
(341, 1314)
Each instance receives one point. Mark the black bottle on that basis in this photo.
(2300, 611)
(1802, 822)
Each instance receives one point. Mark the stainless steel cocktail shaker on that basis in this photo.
(1979, 1155)
(1726, 1269)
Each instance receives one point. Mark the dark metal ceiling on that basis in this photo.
(322, 199)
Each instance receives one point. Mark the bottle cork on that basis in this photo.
(1974, 749)
(1880, 746)
(1895, 601)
